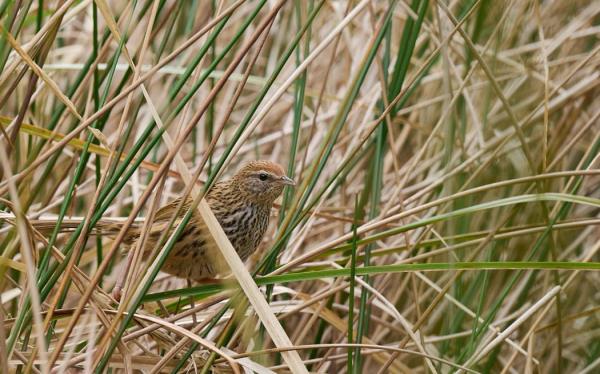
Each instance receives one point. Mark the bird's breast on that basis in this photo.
(245, 227)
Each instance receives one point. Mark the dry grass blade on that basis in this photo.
(446, 156)
(39, 72)
(27, 254)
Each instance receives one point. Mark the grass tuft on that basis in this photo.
(446, 212)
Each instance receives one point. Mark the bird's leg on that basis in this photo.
(116, 293)
(192, 306)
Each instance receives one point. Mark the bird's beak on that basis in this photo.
(287, 180)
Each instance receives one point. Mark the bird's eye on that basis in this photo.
(263, 176)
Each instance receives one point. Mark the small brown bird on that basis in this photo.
(242, 206)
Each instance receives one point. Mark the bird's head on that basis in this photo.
(262, 181)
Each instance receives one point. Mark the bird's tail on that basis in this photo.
(47, 225)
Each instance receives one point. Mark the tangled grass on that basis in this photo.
(446, 216)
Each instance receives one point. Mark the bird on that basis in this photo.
(241, 205)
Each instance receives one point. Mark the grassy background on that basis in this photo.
(447, 207)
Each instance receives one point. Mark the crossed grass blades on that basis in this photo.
(445, 216)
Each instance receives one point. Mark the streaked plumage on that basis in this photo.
(242, 206)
